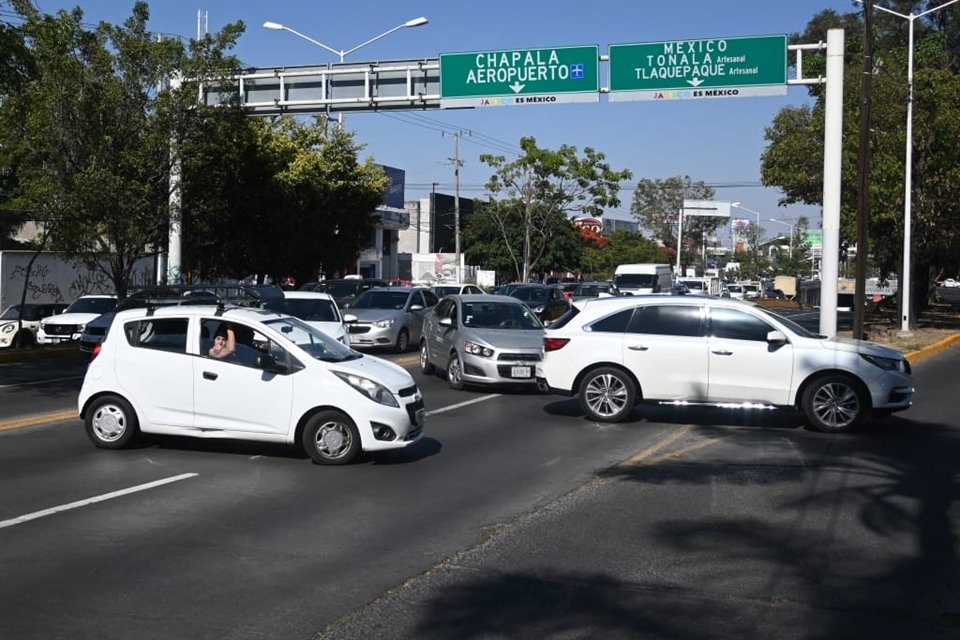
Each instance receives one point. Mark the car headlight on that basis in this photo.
(8, 328)
(477, 350)
(385, 324)
(538, 309)
(887, 364)
(373, 390)
(81, 328)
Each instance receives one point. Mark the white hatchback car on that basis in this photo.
(285, 382)
(615, 352)
(70, 324)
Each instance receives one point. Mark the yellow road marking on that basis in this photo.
(641, 457)
(32, 421)
(676, 454)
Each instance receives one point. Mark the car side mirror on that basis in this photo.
(776, 336)
(349, 318)
(416, 307)
(446, 322)
(268, 363)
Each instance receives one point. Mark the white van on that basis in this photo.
(643, 278)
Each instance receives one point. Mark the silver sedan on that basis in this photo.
(482, 339)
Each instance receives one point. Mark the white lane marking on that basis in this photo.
(24, 384)
(93, 500)
(463, 404)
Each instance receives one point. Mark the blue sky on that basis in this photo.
(717, 141)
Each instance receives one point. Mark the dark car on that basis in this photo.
(344, 290)
(547, 301)
(595, 290)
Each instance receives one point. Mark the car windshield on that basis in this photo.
(309, 309)
(591, 290)
(381, 300)
(750, 287)
(530, 294)
(499, 315)
(340, 289)
(313, 341)
(635, 279)
(92, 305)
(694, 284)
(10, 313)
(734, 288)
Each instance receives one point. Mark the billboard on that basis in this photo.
(393, 197)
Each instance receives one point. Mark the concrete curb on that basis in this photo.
(933, 349)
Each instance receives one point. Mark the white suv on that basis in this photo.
(285, 381)
(70, 324)
(615, 352)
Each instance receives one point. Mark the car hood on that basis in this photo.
(375, 315)
(506, 338)
(851, 345)
(391, 375)
(70, 318)
(332, 329)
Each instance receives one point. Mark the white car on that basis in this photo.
(615, 352)
(19, 329)
(455, 288)
(734, 291)
(70, 324)
(950, 283)
(286, 382)
(317, 309)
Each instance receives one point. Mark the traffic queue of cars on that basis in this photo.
(294, 369)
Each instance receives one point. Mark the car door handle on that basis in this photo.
(637, 347)
(209, 375)
(722, 352)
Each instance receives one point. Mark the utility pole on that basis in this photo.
(457, 163)
(863, 212)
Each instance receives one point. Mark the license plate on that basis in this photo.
(420, 416)
(519, 372)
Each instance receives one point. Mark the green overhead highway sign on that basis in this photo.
(698, 69)
(519, 77)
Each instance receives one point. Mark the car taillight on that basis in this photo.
(552, 344)
(95, 352)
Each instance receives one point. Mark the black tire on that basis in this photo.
(834, 403)
(607, 394)
(426, 368)
(455, 372)
(111, 422)
(403, 341)
(23, 339)
(331, 438)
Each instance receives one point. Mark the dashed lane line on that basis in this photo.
(83, 503)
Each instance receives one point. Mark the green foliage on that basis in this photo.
(793, 160)
(533, 198)
(656, 206)
(623, 247)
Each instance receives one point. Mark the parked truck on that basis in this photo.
(643, 278)
(787, 284)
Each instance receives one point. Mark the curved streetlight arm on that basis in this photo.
(416, 22)
(279, 27)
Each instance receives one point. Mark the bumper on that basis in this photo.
(375, 337)
(480, 370)
(391, 428)
(544, 387)
(43, 338)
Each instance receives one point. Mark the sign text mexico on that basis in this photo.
(698, 69)
(519, 77)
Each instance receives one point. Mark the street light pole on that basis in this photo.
(276, 26)
(908, 161)
(789, 224)
(756, 256)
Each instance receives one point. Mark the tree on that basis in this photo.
(793, 160)
(289, 198)
(533, 195)
(656, 206)
(93, 160)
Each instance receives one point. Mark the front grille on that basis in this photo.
(353, 328)
(409, 391)
(59, 329)
(520, 357)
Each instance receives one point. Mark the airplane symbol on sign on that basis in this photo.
(576, 71)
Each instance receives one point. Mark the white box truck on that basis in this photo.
(645, 277)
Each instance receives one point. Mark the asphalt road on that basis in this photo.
(515, 518)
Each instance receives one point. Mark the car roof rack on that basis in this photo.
(155, 296)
